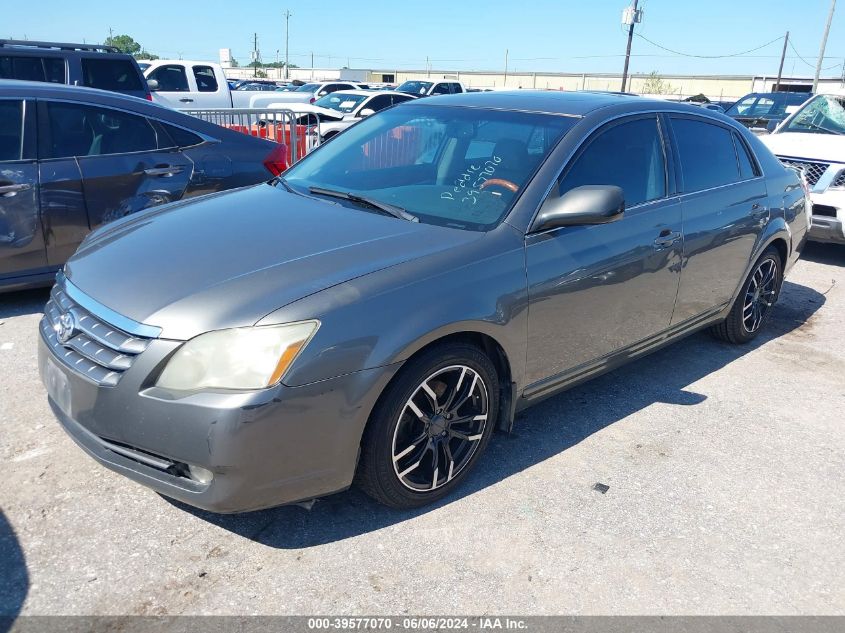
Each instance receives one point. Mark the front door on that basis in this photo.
(22, 248)
(594, 290)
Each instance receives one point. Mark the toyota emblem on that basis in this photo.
(66, 327)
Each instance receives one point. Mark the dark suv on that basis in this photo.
(90, 65)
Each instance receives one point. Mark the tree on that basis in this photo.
(655, 85)
(126, 44)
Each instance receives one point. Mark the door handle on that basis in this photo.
(165, 171)
(186, 100)
(10, 190)
(666, 238)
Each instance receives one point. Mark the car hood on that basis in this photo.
(229, 259)
(825, 147)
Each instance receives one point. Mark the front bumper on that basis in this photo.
(264, 448)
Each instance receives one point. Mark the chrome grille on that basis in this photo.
(812, 171)
(97, 350)
(840, 180)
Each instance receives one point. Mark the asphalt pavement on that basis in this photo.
(722, 473)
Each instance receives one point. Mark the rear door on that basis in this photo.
(724, 201)
(22, 248)
(127, 161)
(210, 93)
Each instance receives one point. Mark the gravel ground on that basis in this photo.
(725, 467)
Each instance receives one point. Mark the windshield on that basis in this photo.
(415, 87)
(345, 103)
(820, 115)
(457, 167)
(771, 104)
(308, 88)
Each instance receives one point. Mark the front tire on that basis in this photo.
(753, 305)
(430, 427)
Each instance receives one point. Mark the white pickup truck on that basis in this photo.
(193, 85)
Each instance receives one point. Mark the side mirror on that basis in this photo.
(366, 112)
(590, 204)
(152, 84)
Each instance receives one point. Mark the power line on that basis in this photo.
(669, 50)
(810, 64)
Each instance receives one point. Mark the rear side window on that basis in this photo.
(708, 157)
(628, 155)
(82, 130)
(180, 137)
(206, 81)
(11, 130)
(49, 69)
(118, 75)
(170, 78)
(747, 169)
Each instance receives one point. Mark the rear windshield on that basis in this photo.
(308, 88)
(117, 75)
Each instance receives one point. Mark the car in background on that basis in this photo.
(256, 86)
(72, 159)
(374, 314)
(89, 65)
(813, 141)
(427, 88)
(763, 111)
(306, 93)
(339, 110)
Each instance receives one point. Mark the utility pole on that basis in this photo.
(782, 58)
(505, 84)
(824, 44)
(312, 65)
(287, 37)
(255, 55)
(630, 16)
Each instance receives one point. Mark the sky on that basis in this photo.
(538, 35)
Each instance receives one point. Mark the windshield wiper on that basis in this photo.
(384, 207)
(818, 127)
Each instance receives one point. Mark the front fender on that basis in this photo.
(385, 317)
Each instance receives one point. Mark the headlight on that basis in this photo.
(240, 358)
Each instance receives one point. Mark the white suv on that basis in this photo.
(813, 140)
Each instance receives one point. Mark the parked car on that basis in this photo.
(426, 88)
(762, 111)
(306, 93)
(258, 87)
(90, 65)
(374, 314)
(72, 159)
(338, 110)
(813, 140)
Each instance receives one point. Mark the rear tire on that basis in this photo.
(430, 427)
(752, 308)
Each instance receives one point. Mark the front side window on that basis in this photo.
(628, 155)
(11, 130)
(110, 74)
(170, 78)
(82, 130)
(206, 81)
(708, 157)
(821, 115)
(458, 167)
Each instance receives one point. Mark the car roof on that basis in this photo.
(547, 101)
(47, 90)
